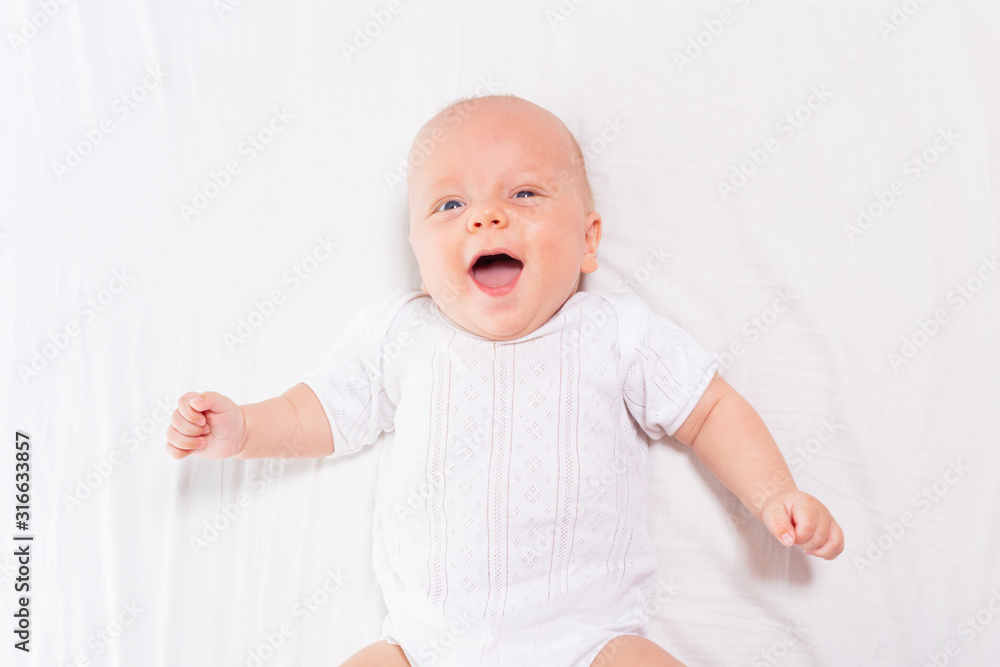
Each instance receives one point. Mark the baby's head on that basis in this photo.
(502, 218)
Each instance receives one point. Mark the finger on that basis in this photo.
(177, 453)
(775, 518)
(185, 427)
(211, 401)
(181, 441)
(188, 412)
(805, 516)
(819, 535)
(834, 543)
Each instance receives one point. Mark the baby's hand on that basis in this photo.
(208, 425)
(795, 517)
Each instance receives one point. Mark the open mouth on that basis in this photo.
(496, 273)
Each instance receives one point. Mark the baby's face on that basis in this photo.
(499, 218)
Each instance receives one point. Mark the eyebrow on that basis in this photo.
(522, 175)
(440, 183)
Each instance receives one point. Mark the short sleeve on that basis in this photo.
(350, 382)
(664, 370)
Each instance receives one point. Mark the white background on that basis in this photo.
(876, 373)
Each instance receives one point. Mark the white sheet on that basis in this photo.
(854, 340)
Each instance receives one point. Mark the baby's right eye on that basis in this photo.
(447, 206)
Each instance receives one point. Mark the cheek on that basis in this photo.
(561, 246)
(424, 247)
(436, 261)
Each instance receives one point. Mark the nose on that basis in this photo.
(489, 215)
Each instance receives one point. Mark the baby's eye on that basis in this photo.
(449, 205)
(524, 193)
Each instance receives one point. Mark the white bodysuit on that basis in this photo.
(511, 503)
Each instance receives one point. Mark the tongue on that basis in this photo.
(496, 273)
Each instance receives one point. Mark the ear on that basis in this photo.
(592, 238)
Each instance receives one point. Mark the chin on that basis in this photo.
(499, 332)
(507, 329)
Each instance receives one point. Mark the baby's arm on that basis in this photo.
(731, 439)
(212, 426)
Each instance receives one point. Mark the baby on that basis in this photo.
(511, 522)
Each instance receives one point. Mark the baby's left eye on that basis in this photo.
(524, 193)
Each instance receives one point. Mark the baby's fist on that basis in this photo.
(794, 517)
(208, 425)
